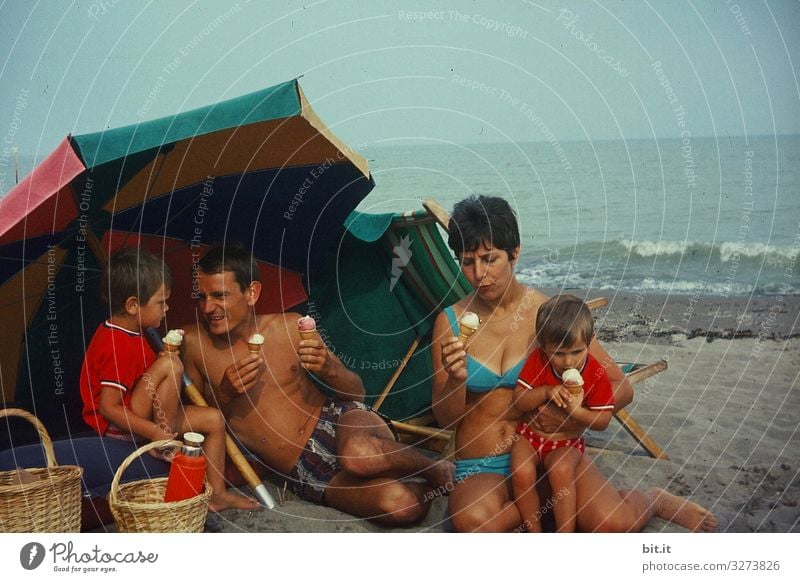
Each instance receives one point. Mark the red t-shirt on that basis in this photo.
(597, 393)
(116, 358)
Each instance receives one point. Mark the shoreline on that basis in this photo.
(656, 317)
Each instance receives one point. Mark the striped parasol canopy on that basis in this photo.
(261, 170)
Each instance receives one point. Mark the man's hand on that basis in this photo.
(314, 356)
(242, 375)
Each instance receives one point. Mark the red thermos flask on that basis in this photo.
(188, 471)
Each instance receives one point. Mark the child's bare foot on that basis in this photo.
(682, 512)
(227, 500)
(163, 453)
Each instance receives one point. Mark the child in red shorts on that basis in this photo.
(127, 390)
(565, 329)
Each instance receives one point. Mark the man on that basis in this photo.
(333, 450)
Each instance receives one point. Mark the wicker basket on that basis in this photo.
(51, 503)
(139, 506)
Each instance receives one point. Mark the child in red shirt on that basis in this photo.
(127, 390)
(565, 329)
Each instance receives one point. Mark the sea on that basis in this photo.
(696, 216)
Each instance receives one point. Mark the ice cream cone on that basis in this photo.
(465, 332)
(172, 341)
(575, 389)
(572, 381)
(254, 343)
(467, 325)
(171, 348)
(307, 327)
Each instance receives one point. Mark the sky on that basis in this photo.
(382, 73)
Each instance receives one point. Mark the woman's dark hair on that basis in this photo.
(233, 258)
(480, 219)
(562, 320)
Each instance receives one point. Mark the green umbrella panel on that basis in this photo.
(391, 276)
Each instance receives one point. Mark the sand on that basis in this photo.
(726, 412)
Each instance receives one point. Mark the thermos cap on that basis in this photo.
(193, 439)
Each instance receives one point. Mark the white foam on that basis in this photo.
(648, 248)
(728, 251)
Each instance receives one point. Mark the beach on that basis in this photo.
(724, 411)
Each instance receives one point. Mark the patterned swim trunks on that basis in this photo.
(318, 464)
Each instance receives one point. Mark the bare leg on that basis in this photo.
(561, 465)
(366, 448)
(210, 422)
(524, 459)
(372, 461)
(156, 395)
(682, 512)
(602, 508)
(382, 499)
(484, 503)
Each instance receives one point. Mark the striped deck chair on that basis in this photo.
(376, 301)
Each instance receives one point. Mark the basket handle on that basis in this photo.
(112, 496)
(47, 443)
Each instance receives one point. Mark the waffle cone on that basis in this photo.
(172, 348)
(465, 332)
(575, 389)
(254, 348)
(307, 335)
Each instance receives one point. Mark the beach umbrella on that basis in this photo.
(260, 169)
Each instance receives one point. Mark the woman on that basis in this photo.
(473, 392)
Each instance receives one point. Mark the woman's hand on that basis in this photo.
(449, 395)
(454, 360)
(551, 419)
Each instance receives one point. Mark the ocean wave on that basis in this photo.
(636, 283)
(725, 252)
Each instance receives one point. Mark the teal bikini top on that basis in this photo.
(479, 377)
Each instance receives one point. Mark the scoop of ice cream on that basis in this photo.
(306, 323)
(256, 339)
(470, 319)
(174, 337)
(572, 376)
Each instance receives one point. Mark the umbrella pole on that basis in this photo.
(235, 455)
